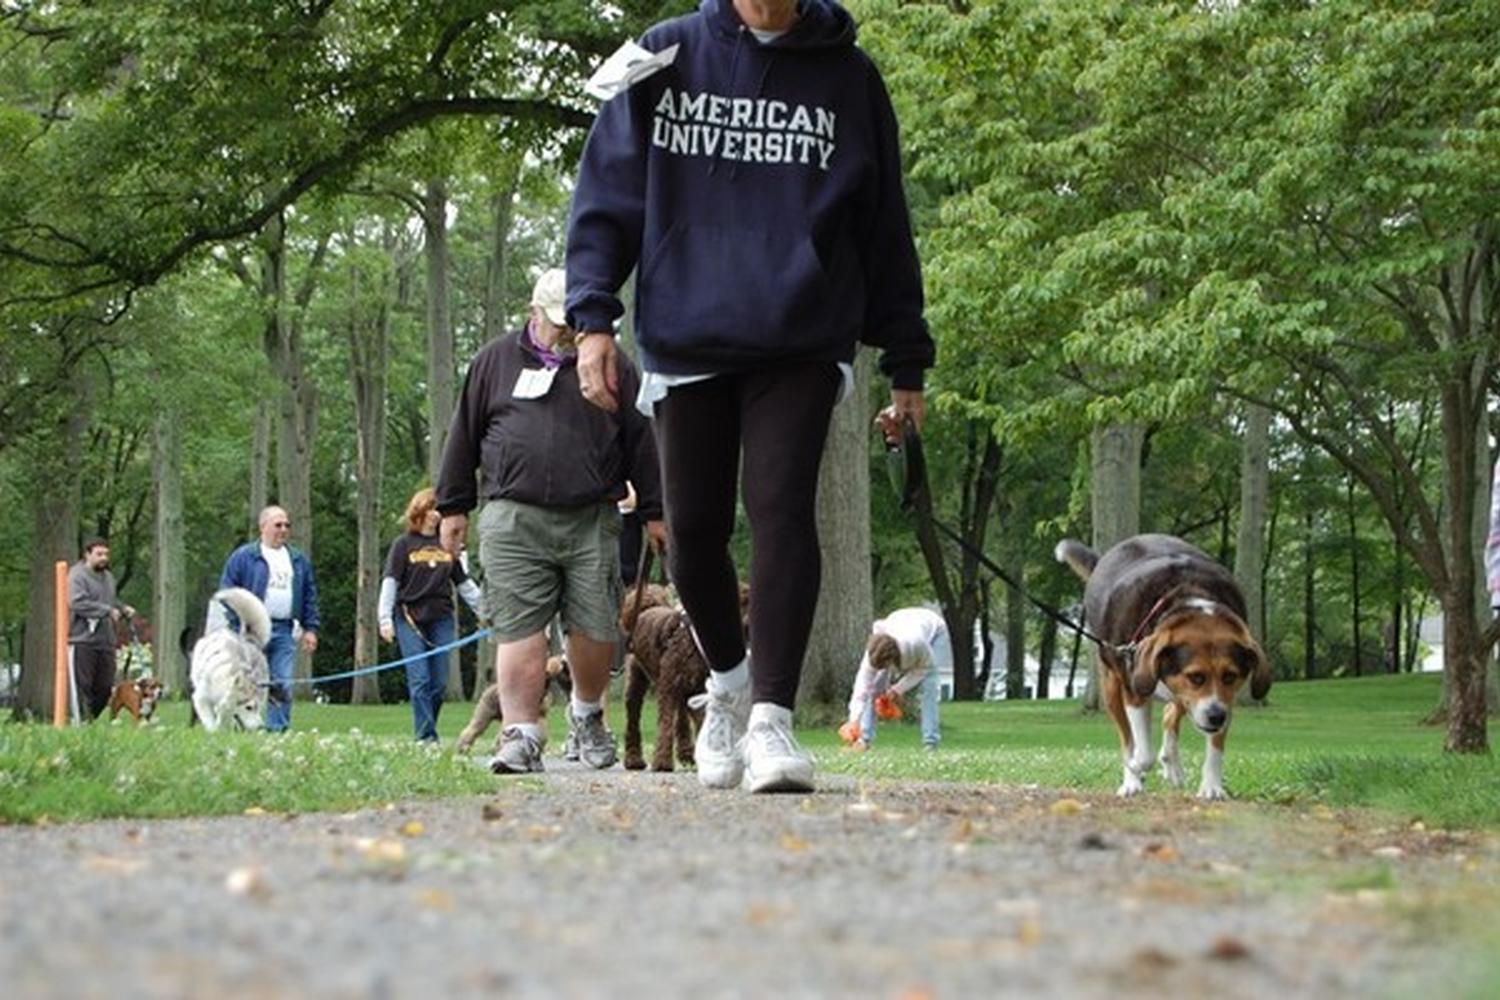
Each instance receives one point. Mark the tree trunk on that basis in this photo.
(441, 371)
(1015, 615)
(1115, 499)
(845, 597)
(1309, 594)
(55, 502)
(502, 212)
(1354, 576)
(1250, 540)
(1464, 662)
(961, 606)
(1046, 651)
(368, 338)
(298, 399)
(440, 367)
(260, 465)
(168, 575)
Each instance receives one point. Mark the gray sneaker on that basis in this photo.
(592, 739)
(519, 753)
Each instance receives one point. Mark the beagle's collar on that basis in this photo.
(1159, 611)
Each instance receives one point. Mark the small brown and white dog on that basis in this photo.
(1172, 623)
(138, 697)
(487, 705)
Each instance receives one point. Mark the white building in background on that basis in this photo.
(1058, 684)
(1430, 633)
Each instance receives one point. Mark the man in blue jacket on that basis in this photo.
(754, 185)
(282, 577)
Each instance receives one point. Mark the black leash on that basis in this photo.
(907, 465)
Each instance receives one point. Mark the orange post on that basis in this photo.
(60, 647)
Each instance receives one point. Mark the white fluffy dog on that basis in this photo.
(229, 670)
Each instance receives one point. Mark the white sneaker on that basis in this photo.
(717, 749)
(773, 760)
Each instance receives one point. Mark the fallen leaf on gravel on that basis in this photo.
(1160, 850)
(962, 831)
(382, 851)
(113, 866)
(1029, 932)
(413, 828)
(491, 811)
(1228, 949)
(250, 882)
(1153, 958)
(134, 836)
(1024, 906)
(537, 833)
(1418, 825)
(793, 843)
(1066, 807)
(763, 914)
(255, 811)
(622, 820)
(435, 899)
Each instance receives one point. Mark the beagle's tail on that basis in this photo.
(1077, 556)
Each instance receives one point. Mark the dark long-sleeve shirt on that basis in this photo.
(553, 450)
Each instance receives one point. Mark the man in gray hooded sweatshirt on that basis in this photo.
(93, 611)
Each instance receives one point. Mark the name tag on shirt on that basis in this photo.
(534, 383)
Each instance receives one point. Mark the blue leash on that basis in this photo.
(471, 637)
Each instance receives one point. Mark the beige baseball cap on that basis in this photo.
(550, 295)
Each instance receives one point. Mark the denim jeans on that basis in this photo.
(930, 689)
(281, 657)
(426, 676)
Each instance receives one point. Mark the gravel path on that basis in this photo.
(587, 883)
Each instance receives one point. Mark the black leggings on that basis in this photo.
(780, 420)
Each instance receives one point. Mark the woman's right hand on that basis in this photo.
(388, 633)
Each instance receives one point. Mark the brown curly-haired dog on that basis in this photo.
(663, 652)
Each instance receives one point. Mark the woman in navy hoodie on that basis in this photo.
(754, 185)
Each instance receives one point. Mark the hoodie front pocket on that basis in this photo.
(735, 293)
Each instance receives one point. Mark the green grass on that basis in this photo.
(1348, 742)
(1352, 742)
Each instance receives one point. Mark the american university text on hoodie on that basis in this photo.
(755, 188)
(753, 130)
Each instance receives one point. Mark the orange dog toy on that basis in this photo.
(887, 707)
(849, 732)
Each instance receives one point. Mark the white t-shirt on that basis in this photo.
(921, 635)
(279, 586)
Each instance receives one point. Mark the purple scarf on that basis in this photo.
(550, 358)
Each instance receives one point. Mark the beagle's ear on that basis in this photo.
(1153, 661)
(1254, 662)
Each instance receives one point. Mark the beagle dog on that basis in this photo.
(138, 697)
(1169, 622)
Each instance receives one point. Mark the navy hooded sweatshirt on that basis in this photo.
(758, 188)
